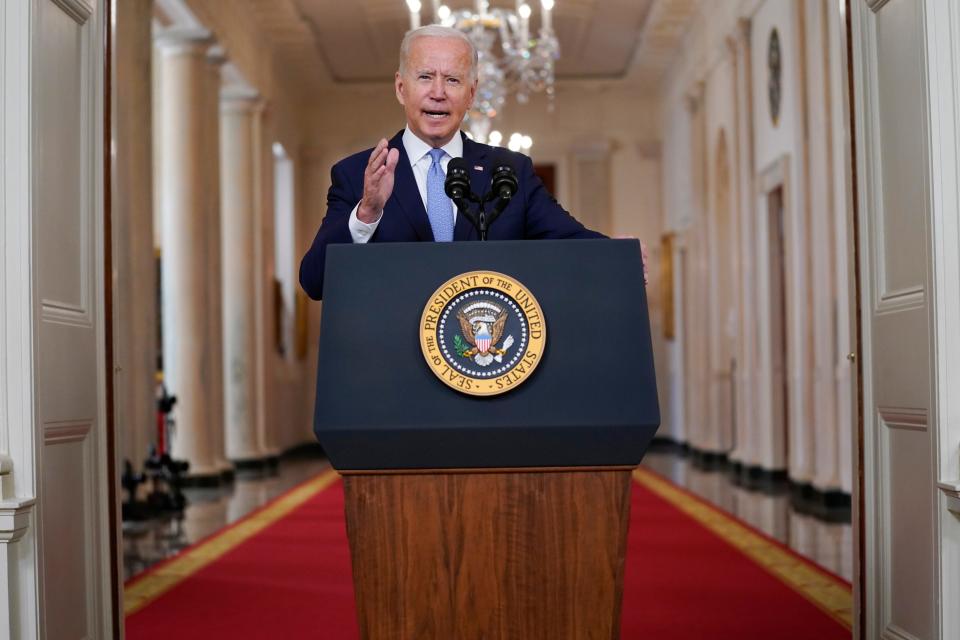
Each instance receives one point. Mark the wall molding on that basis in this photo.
(63, 432)
(876, 5)
(951, 490)
(14, 519)
(893, 632)
(900, 300)
(904, 418)
(776, 174)
(79, 10)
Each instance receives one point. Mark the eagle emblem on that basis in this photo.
(482, 325)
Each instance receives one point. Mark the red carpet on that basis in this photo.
(291, 580)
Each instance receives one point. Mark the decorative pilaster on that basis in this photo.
(187, 354)
(14, 522)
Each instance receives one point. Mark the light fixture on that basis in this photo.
(517, 142)
(414, 7)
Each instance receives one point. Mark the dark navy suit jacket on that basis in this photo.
(532, 213)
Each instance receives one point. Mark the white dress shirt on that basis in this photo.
(418, 152)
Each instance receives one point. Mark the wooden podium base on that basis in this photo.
(495, 553)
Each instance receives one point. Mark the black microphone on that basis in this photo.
(457, 184)
(503, 186)
(457, 188)
(504, 182)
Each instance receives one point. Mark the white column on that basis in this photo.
(697, 345)
(134, 277)
(239, 111)
(746, 376)
(267, 355)
(821, 174)
(215, 61)
(187, 357)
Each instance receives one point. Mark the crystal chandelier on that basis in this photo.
(510, 60)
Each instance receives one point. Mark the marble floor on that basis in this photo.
(827, 542)
(826, 538)
(209, 510)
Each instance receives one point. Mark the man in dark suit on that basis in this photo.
(394, 192)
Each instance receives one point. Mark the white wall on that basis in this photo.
(719, 83)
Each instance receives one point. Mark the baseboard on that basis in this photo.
(304, 450)
(708, 460)
(664, 444)
(757, 478)
(829, 505)
(253, 468)
(202, 481)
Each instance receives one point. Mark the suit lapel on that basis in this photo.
(406, 195)
(476, 156)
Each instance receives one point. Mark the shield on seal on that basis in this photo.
(483, 339)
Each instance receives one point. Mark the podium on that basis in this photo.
(501, 512)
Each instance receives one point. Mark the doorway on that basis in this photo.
(777, 300)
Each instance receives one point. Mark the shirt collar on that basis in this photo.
(416, 148)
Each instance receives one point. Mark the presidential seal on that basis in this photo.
(482, 333)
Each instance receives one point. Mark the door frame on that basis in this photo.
(775, 175)
(114, 497)
(856, 355)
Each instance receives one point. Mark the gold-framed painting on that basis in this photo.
(666, 286)
(301, 323)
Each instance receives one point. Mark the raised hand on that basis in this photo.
(377, 182)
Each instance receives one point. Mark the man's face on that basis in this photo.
(435, 89)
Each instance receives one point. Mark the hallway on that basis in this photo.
(824, 536)
(727, 583)
(790, 165)
(821, 533)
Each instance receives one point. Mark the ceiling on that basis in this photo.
(358, 40)
(324, 44)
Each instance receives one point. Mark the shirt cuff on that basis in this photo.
(362, 231)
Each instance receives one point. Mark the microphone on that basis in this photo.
(457, 183)
(503, 186)
(457, 187)
(504, 182)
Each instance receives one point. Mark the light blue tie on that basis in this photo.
(439, 207)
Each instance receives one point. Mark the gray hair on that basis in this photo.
(437, 31)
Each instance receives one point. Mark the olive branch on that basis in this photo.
(459, 344)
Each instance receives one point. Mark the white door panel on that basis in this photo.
(907, 530)
(68, 232)
(55, 573)
(899, 594)
(901, 359)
